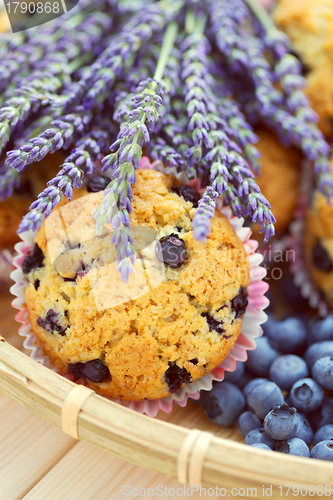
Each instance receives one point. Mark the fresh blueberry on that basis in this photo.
(292, 297)
(269, 324)
(287, 336)
(306, 395)
(188, 193)
(321, 330)
(262, 446)
(236, 374)
(323, 450)
(303, 430)
(93, 370)
(259, 436)
(33, 261)
(260, 359)
(287, 369)
(322, 372)
(317, 351)
(97, 183)
(247, 422)
(51, 323)
(172, 251)
(293, 446)
(176, 377)
(224, 403)
(280, 422)
(323, 434)
(239, 303)
(213, 324)
(321, 258)
(244, 380)
(252, 383)
(326, 412)
(263, 397)
(315, 418)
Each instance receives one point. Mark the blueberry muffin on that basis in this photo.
(309, 24)
(318, 244)
(16, 206)
(175, 320)
(280, 173)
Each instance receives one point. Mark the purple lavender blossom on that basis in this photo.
(122, 164)
(204, 213)
(59, 135)
(9, 180)
(96, 83)
(75, 168)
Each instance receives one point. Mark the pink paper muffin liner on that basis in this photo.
(301, 275)
(253, 317)
(6, 267)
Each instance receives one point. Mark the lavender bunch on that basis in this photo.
(226, 70)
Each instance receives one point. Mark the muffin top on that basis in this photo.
(309, 24)
(319, 244)
(12, 209)
(176, 319)
(280, 173)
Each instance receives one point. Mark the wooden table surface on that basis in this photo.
(39, 462)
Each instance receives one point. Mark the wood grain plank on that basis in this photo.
(29, 448)
(87, 473)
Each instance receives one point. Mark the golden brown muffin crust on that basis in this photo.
(161, 324)
(279, 179)
(319, 231)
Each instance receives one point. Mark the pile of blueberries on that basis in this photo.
(281, 398)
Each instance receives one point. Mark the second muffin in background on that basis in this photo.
(279, 179)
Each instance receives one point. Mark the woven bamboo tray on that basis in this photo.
(182, 445)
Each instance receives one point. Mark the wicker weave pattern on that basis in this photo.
(176, 451)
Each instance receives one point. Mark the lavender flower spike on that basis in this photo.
(203, 214)
(76, 166)
(126, 158)
(9, 180)
(118, 194)
(59, 135)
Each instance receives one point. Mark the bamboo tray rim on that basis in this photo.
(191, 456)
